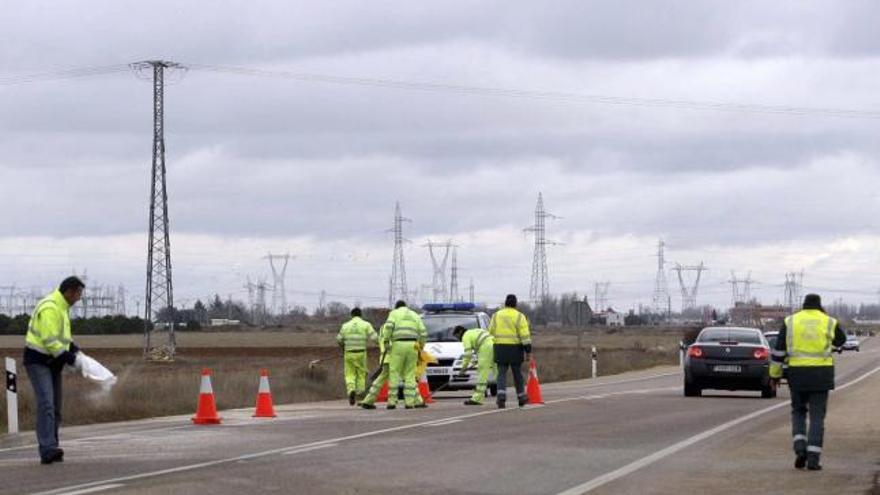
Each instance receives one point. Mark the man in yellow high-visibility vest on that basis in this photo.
(48, 347)
(806, 341)
(353, 337)
(510, 329)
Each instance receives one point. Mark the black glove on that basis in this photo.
(67, 357)
(73, 348)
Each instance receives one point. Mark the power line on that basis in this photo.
(75, 73)
(540, 95)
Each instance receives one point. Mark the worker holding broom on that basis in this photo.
(353, 338)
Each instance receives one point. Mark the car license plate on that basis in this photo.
(728, 368)
(437, 370)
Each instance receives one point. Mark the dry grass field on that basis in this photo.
(156, 389)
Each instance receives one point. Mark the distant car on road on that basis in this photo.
(772, 337)
(852, 344)
(728, 358)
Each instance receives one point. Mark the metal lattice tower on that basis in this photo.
(660, 299)
(601, 295)
(453, 277)
(279, 290)
(439, 281)
(794, 283)
(471, 290)
(397, 288)
(540, 286)
(159, 301)
(740, 289)
(689, 294)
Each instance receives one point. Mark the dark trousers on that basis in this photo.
(815, 404)
(46, 382)
(509, 356)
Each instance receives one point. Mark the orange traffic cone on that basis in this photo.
(206, 414)
(383, 393)
(533, 388)
(425, 390)
(264, 397)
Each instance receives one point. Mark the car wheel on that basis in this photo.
(768, 392)
(691, 390)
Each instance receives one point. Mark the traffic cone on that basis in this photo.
(383, 393)
(206, 413)
(533, 388)
(425, 390)
(264, 397)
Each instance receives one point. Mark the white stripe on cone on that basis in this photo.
(264, 384)
(206, 388)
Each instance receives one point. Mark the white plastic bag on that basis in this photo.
(92, 370)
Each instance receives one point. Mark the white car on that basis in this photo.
(440, 320)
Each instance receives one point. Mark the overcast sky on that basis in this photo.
(269, 164)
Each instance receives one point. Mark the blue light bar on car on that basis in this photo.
(449, 307)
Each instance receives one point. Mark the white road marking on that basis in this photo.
(99, 488)
(444, 422)
(229, 460)
(309, 449)
(672, 449)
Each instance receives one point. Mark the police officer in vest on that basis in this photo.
(806, 341)
(510, 329)
(48, 347)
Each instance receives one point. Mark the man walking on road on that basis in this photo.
(477, 341)
(806, 340)
(48, 347)
(353, 337)
(510, 329)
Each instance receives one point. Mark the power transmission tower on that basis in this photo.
(279, 291)
(159, 301)
(661, 285)
(600, 290)
(740, 293)
(472, 291)
(689, 294)
(794, 283)
(439, 280)
(453, 283)
(120, 301)
(540, 286)
(397, 288)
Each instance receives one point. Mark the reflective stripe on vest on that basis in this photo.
(805, 328)
(484, 335)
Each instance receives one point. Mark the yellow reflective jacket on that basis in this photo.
(49, 328)
(509, 326)
(473, 341)
(404, 324)
(809, 337)
(355, 333)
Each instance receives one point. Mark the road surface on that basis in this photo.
(631, 433)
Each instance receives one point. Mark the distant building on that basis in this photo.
(755, 314)
(223, 322)
(609, 318)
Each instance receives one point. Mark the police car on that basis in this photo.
(440, 319)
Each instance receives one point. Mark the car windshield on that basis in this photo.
(730, 335)
(852, 338)
(440, 325)
(771, 339)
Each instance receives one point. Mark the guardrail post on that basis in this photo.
(594, 357)
(11, 396)
(681, 354)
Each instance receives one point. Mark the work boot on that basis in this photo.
(421, 405)
(391, 406)
(351, 398)
(813, 462)
(471, 402)
(56, 455)
(523, 400)
(367, 406)
(800, 461)
(408, 407)
(500, 404)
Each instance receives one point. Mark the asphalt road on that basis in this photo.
(632, 433)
